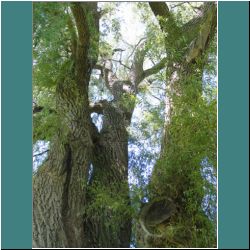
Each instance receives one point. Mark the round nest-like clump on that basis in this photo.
(156, 212)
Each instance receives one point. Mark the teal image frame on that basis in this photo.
(233, 125)
(16, 125)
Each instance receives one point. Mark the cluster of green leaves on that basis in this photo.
(127, 101)
(155, 44)
(53, 36)
(45, 125)
(191, 138)
(110, 23)
(185, 11)
(50, 59)
(50, 42)
(106, 198)
(108, 207)
(45, 122)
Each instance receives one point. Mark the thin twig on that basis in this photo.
(143, 38)
(177, 5)
(154, 96)
(194, 8)
(125, 66)
(41, 153)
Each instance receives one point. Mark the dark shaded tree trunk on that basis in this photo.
(60, 187)
(110, 174)
(85, 164)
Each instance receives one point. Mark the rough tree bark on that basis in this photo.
(61, 185)
(58, 193)
(191, 42)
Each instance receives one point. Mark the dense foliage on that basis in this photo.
(169, 98)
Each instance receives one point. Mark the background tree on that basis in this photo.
(86, 90)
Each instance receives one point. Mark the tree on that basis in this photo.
(81, 196)
(177, 187)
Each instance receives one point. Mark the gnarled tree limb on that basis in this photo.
(162, 13)
(156, 68)
(205, 29)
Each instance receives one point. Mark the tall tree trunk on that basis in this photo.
(81, 194)
(61, 187)
(110, 178)
(168, 219)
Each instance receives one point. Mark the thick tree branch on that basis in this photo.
(87, 24)
(155, 69)
(162, 13)
(205, 32)
(83, 44)
(141, 74)
(135, 47)
(81, 23)
(136, 73)
(160, 9)
(108, 76)
(73, 34)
